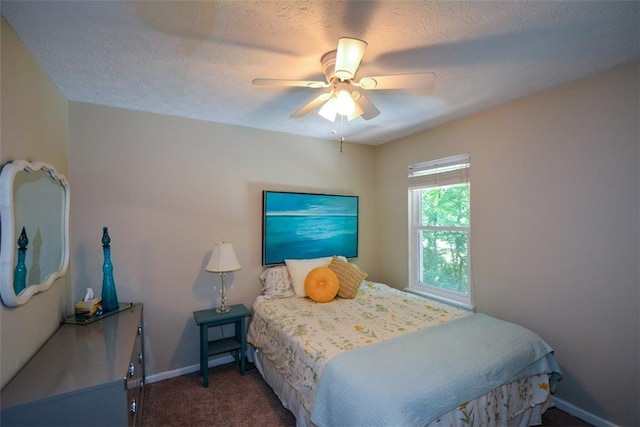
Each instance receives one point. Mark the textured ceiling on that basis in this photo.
(197, 59)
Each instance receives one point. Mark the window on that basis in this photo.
(439, 228)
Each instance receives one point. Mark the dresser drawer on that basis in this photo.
(84, 375)
(134, 406)
(135, 378)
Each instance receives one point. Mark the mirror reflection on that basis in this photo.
(38, 209)
(34, 223)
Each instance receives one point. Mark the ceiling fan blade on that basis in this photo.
(311, 105)
(295, 83)
(348, 56)
(421, 81)
(369, 111)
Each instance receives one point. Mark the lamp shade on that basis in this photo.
(348, 57)
(344, 103)
(223, 259)
(329, 109)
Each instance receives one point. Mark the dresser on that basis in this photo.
(85, 375)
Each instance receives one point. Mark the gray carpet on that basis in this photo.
(237, 401)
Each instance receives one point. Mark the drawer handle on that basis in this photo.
(141, 383)
(134, 406)
(140, 357)
(132, 369)
(139, 329)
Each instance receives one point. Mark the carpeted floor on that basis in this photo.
(235, 400)
(230, 400)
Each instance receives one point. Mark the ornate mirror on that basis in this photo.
(34, 229)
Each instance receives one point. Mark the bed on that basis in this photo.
(388, 357)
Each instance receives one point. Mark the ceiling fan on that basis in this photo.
(345, 95)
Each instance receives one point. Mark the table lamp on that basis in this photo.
(223, 260)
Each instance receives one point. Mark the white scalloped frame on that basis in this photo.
(8, 237)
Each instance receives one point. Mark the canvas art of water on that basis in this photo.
(300, 225)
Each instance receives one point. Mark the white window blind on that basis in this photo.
(437, 173)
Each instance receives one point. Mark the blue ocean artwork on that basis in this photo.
(301, 225)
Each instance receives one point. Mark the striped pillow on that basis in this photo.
(349, 277)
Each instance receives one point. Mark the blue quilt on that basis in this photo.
(415, 378)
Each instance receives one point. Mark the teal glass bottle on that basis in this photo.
(109, 295)
(20, 273)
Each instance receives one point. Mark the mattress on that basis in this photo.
(296, 337)
(517, 404)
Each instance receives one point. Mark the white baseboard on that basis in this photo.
(188, 369)
(582, 414)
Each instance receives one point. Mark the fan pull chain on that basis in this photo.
(333, 131)
(341, 132)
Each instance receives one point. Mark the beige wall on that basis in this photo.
(555, 215)
(34, 127)
(169, 188)
(555, 226)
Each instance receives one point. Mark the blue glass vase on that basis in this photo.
(20, 273)
(109, 295)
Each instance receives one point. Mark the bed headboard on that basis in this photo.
(306, 225)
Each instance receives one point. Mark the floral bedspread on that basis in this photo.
(299, 336)
(500, 407)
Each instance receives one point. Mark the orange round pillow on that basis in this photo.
(321, 284)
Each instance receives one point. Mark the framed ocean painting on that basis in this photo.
(305, 225)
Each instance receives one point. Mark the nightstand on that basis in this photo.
(237, 344)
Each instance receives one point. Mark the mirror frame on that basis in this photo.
(8, 238)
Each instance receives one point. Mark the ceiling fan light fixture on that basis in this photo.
(343, 74)
(348, 56)
(357, 112)
(345, 104)
(345, 96)
(329, 109)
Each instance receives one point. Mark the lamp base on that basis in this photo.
(222, 302)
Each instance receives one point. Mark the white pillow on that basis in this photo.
(299, 268)
(276, 283)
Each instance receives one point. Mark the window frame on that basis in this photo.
(416, 227)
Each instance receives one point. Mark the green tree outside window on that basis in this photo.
(444, 237)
